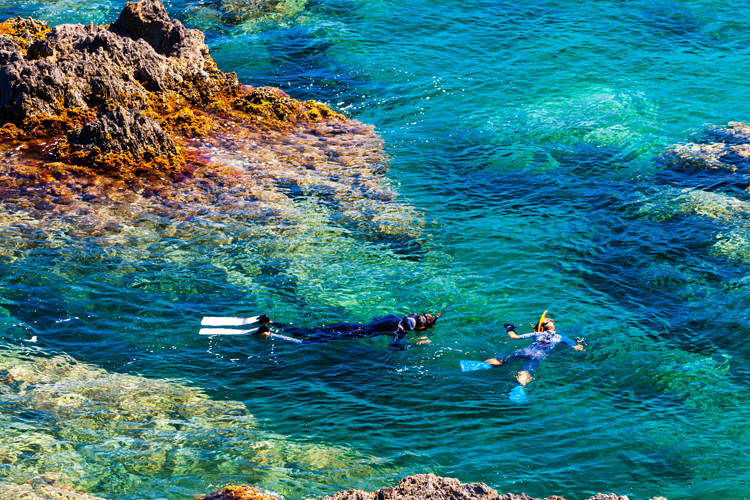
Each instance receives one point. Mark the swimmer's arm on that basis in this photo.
(571, 343)
(398, 344)
(515, 336)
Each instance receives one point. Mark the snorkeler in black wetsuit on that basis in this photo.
(388, 325)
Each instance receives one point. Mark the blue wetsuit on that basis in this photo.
(543, 343)
(395, 325)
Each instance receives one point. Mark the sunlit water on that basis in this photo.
(522, 141)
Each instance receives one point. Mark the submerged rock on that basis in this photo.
(726, 148)
(108, 431)
(44, 488)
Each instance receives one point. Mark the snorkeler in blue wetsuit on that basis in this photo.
(544, 341)
(388, 325)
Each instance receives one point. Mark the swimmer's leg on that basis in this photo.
(524, 376)
(518, 393)
(501, 360)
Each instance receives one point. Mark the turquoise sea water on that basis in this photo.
(522, 141)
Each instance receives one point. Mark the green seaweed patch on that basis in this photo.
(24, 31)
(125, 165)
(242, 492)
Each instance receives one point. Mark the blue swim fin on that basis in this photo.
(518, 395)
(471, 366)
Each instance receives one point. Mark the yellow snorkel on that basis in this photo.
(541, 320)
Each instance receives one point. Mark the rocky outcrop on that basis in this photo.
(123, 130)
(243, 492)
(146, 66)
(137, 114)
(19, 34)
(432, 487)
(148, 20)
(76, 67)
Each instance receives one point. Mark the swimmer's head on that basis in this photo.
(548, 324)
(427, 320)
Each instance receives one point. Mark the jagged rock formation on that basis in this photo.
(121, 141)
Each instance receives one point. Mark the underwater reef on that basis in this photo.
(136, 118)
(69, 428)
(416, 487)
(708, 177)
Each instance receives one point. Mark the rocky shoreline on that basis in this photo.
(416, 487)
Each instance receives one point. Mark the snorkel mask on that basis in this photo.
(427, 321)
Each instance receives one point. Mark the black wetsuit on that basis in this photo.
(394, 325)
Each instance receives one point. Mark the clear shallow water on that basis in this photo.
(523, 138)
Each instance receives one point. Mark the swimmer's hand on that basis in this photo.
(579, 347)
(509, 327)
(423, 341)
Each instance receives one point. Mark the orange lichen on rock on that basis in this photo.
(243, 492)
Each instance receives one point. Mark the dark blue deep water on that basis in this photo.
(523, 141)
